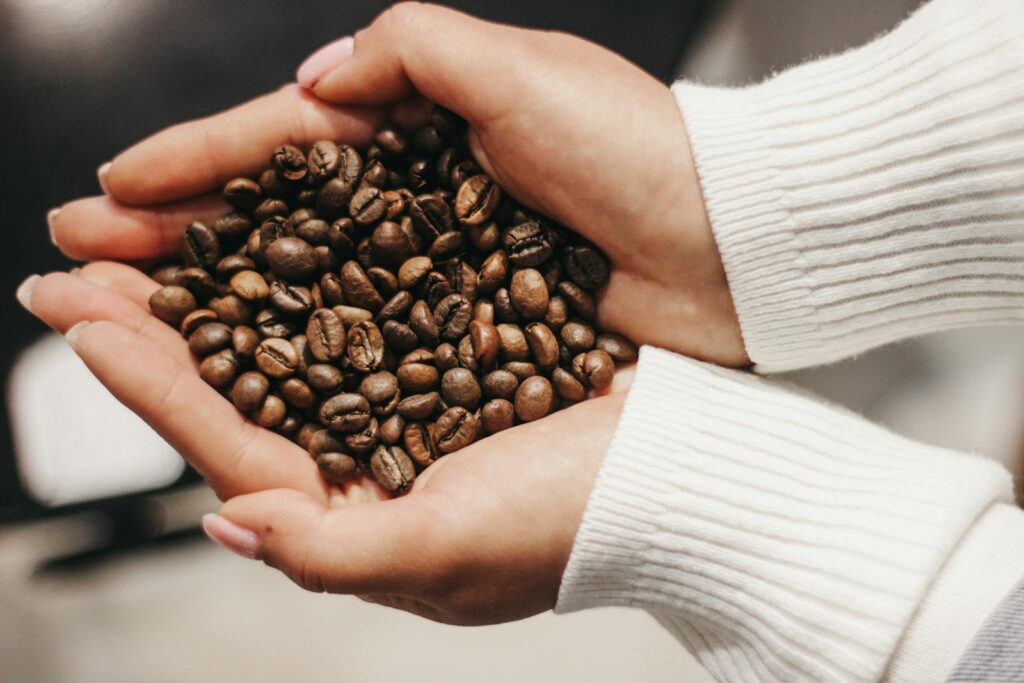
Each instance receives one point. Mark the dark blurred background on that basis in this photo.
(82, 79)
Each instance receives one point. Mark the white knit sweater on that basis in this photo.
(856, 200)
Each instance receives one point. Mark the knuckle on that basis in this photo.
(402, 16)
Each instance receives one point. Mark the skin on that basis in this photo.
(469, 544)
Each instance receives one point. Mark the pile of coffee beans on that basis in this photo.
(389, 307)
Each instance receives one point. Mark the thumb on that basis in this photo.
(361, 548)
(473, 67)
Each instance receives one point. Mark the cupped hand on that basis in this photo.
(483, 536)
(567, 127)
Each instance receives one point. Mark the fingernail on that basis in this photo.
(323, 60)
(24, 291)
(71, 336)
(51, 216)
(233, 537)
(101, 173)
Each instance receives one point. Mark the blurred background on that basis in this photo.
(104, 575)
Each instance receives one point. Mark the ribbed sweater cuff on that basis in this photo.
(875, 195)
(780, 539)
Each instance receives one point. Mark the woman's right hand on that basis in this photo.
(565, 126)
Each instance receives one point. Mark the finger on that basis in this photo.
(100, 228)
(127, 281)
(200, 156)
(371, 548)
(234, 455)
(62, 300)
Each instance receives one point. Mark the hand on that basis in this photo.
(565, 126)
(482, 537)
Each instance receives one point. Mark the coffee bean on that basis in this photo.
(486, 343)
(397, 307)
(618, 347)
(365, 440)
(164, 275)
(459, 387)
(447, 246)
(419, 444)
(232, 264)
(336, 468)
(219, 369)
(313, 230)
(497, 415)
(483, 310)
(271, 413)
(291, 258)
(381, 390)
(391, 430)
(529, 294)
(197, 281)
(274, 185)
(476, 200)
(455, 429)
(427, 141)
(586, 266)
(291, 299)
(272, 323)
(420, 355)
(599, 369)
(289, 162)
(301, 345)
(520, 369)
(271, 209)
(389, 244)
(326, 335)
(434, 288)
(324, 378)
(297, 393)
(196, 319)
(200, 246)
(514, 346)
(419, 406)
(365, 347)
(244, 341)
(232, 310)
(249, 391)
(504, 311)
(392, 469)
(412, 272)
(358, 289)
(567, 386)
(350, 315)
(345, 413)
(558, 313)
(417, 378)
(243, 193)
(446, 357)
(499, 384)
(493, 272)
(534, 399)
(452, 315)
(543, 345)
(528, 244)
(172, 303)
(399, 336)
(306, 434)
(323, 160)
(486, 238)
(431, 216)
(276, 357)
(209, 338)
(578, 336)
(367, 205)
(249, 285)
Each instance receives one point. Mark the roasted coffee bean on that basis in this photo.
(232, 264)
(448, 124)
(384, 281)
(483, 310)
(558, 313)
(528, 244)
(486, 343)
(272, 323)
(452, 315)
(291, 258)
(392, 469)
(345, 413)
(391, 143)
(455, 429)
(529, 294)
(497, 415)
(249, 285)
(331, 291)
(232, 228)
(521, 369)
(399, 336)
(197, 281)
(350, 164)
(462, 278)
(243, 193)
(447, 246)
(504, 311)
(368, 205)
(446, 357)
(333, 198)
(427, 141)
(459, 387)
(324, 378)
(358, 289)
(419, 406)
(244, 341)
(420, 355)
(289, 162)
(365, 440)
(336, 468)
(417, 378)
(274, 185)
(434, 288)
(567, 386)
(419, 444)
(219, 369)
(514, 346)
(580, 301)
(499, 384)
(552, 272)
(196, 319)
(431, 216)
(249, 391)
(389, 244)
(476, 200)
(209, 338)
(598, 368)
(350, 315)
(586, 266)
(324, 441)
(326, 335)
(486, 238)
(543, 345)
(306, 432)
(534, 399)
(419, 175)
(391, 430)
(323, 160)
(271, 413)
(291, 424)
(381, 390)
(164, 275)
(326, 259)
(291, 299)
(314, 230)
(200, 246)
(232, 310)
(397, 204)
(365, 347)
(276, 357)
(578, 336)
(493, 272)
(271, 208)
(297, 393)
(397, 306)
(412, 272)
(301, 345)
(618, 347)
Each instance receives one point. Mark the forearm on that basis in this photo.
(875, 195)
(778, 538)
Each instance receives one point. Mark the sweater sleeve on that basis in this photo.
(874, 195)
(779, 539)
